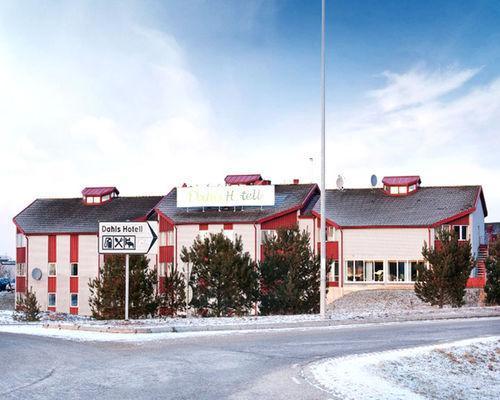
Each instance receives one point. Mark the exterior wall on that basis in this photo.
(88, 266)
(185, 235)
(62, 273)
(477, 232)
(384, 244)
(38, 258)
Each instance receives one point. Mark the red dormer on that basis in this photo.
(253, 179)
(401, 185)
(99, 195)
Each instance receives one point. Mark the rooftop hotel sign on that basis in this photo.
(225, 196)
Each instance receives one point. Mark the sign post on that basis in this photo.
(127, 238)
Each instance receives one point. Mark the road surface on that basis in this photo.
(257, 365)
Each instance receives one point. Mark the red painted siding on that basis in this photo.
(332, 250)
(52, 249)
(460, 221)
(165, 225)
(73, 284)
(73, 310)
(73, 249)
(283, 221)
(51, 284)
(53, 309)
(20, 284)
(21, 255)
(161, 284)
(166, 254)
(203, 227)
(228, 227)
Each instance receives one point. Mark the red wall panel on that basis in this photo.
(161, 284)
(73, 284)
(283, 221)
(53, 309)
(203, 227)
(73, 310)
(20, 284)
(51, 284)
(166, 253)
(52, 249)
(165, 225)
(21, 255)
(460, 221)
(73, 249)
(228, 227)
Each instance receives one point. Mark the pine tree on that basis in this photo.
(107, 291)
(223, 278)
(28, 308)
(173, 298)
(492, 287)
(450, 267)
(290, 274)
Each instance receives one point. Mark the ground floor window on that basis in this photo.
(74, 299)
(397, 271)
(74, 269)
(52, 300)
(461, 231)
(414, 267)
(334, 272)
(52, 269)
(364, 271)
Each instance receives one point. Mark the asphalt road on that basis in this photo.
(257, 365)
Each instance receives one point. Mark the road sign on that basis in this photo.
(127, 237)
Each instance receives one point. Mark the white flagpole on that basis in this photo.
(322, 301)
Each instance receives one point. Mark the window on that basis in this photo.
(21, 269)
(105, 198)
(170, 238)
(397, 271)
(394, 190)
(163, 269)
(74, 269)
(412, 188)
(74, 299)
(414, 267)
(461, 231)
(163, 238)
(267, 234)
(20, 242)
(52, 299)
(334, 272)
(365, 271)
(379, 271)
(52, 269)
(97, 199)
(330, 233)
(89, 200)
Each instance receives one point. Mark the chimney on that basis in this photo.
(295, 181)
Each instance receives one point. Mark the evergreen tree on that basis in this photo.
(223, 278)
(492, 287)
(173, 298)
(290, 274)
(27, 308)
(450, 267)
(107, 291)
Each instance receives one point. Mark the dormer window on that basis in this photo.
(400, 185)
(99, 195)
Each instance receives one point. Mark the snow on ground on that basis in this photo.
(7, 300)
(467, 369)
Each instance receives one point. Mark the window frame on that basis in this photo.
(49, 269)
(21, 267)
(410, 269)
(71, 300)
(49, 297)
(398, 272)
(463, 231)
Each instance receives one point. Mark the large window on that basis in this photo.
(397, 271)
(414, 267)
(461, 231)
(364, 271)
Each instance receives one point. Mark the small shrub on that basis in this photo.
(27, 308)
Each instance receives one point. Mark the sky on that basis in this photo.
(147, 95)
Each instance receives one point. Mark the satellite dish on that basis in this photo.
(36, 274)
(373, 180)
(340, 183)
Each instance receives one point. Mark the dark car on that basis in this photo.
(5, 284)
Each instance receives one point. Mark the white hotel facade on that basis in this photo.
(374, 236)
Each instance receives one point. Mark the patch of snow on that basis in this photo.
(466, 369)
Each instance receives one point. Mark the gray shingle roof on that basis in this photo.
(287, 197)
(372, 207)
(73, 216)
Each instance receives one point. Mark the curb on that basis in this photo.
(252, 326)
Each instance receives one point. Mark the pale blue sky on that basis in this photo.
(146, 95)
